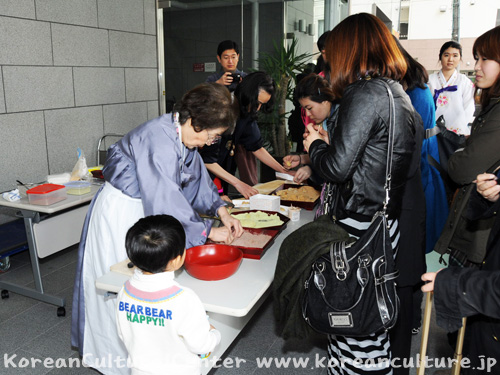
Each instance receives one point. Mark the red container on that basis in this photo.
(212, 261)
(46, 194)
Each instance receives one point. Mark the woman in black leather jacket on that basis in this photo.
(361, 53)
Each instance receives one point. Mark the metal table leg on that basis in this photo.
(31, 217)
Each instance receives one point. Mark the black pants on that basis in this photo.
(400, 335)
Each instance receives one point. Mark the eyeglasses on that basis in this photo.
(212, 139)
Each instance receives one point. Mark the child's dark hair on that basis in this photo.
(154, 241)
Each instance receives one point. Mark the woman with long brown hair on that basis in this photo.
(363, 57)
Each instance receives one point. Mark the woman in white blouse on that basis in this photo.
(453, 92)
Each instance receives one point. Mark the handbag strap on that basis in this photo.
(390, 145)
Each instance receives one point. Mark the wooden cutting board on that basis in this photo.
(122, 268)
(269, 187)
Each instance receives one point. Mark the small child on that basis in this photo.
(163, 325)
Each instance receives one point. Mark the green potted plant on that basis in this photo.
(283, 64)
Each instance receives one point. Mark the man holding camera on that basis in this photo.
(228, 54)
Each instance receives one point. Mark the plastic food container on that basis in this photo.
(46, 194)
(294, 213)
(77, 187)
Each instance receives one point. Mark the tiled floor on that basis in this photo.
(31, 329)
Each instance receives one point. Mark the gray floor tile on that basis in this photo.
(56, 261)
(242, 367)
(258, 336)
(23, 363)
(26, 326)
(55, 282)
(19, 273)
(73, 371)
(53, 343)
(14, 305)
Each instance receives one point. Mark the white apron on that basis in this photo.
(113, 214)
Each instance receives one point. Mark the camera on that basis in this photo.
(236, 78)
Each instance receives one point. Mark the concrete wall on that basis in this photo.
(71, 71)
(426, 51)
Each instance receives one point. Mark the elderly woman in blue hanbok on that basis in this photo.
(154, 169)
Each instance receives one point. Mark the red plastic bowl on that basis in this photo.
(213, 261)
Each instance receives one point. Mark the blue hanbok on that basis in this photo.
(435, 193)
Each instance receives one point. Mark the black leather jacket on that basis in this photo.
(356, 156)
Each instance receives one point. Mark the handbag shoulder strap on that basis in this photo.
(390, 145)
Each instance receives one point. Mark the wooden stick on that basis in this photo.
(455, 370)
(425, 333)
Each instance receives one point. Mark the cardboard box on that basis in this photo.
(265, 202)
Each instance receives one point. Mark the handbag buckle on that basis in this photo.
(318, 278)
(339, 261)
(341, 275)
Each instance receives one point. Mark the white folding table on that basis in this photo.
(60, 229)
(231, 302)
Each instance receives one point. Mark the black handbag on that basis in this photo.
(351, 291)
(448, 142)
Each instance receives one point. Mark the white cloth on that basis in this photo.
(457, 107)
(11, 196)
(117, 212)
(163, 325)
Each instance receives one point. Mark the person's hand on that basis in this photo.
(291, 161)
(302, 174)
(430, 277)
(233, 225)
(285, 171)
(312, 134)
(487, 186)
(225, 80)
(246, 190)
(221, 234)
(318, 128)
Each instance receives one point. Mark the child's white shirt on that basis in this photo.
(163, 325)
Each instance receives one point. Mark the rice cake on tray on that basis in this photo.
(244, 204)
(272, 220)
(299, 196)
(255, 241)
